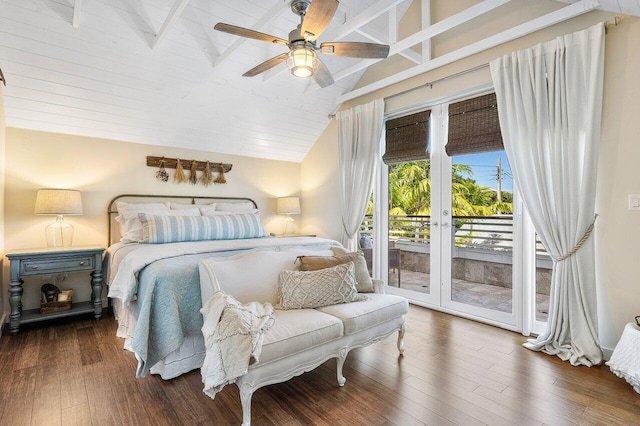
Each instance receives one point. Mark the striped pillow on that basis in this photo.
(175, 229)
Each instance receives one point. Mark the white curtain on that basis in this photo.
(359, 133)
(549, 104)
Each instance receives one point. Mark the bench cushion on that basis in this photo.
(358, 316)
(298, 330)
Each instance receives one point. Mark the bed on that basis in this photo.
(154, 285)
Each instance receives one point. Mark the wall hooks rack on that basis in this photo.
(171, 163)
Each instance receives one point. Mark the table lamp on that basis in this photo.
(288, 206)
(58, 202)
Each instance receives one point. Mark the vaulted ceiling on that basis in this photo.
(155, 71)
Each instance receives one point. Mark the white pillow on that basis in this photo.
(248, 277)
(122, 207)
(212, 211)
(131, 227)
(178, 206)
(235, 207)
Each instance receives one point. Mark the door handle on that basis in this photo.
(445, 224)
(434, 224)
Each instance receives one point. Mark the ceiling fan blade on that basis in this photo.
(266, 65)
(317, 18)
(322, 76)
(355, 50)
(244, 32)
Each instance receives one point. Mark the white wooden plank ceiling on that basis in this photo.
(155, 71)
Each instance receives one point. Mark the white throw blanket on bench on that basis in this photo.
(233, 335)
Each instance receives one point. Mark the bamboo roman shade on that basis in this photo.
(474, 126)
(407, 138)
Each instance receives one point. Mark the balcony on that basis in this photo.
(481, 260)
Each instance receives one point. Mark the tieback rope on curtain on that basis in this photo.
(584, 239)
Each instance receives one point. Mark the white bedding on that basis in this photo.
(126, 260)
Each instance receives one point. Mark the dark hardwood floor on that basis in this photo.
(454, 371)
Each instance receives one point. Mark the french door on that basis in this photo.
(446, 249)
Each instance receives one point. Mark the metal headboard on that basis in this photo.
(111, 210)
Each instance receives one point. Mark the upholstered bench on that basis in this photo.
(300, 339)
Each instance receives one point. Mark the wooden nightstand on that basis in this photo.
(51, 261)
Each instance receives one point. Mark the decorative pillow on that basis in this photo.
(131, 227)
(179, 206)
(363, 280)
(314, 289)
(123, 207)
(365, 241)
(212, 211)
(175, 229)
(250, 276)
(235, 207)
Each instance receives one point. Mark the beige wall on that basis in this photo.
(618, 230)
(102, 169)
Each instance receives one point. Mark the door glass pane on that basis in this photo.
(409, 234)
(482, 231)
(543, 281)
(365, 237)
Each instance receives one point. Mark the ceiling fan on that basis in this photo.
(302, 58)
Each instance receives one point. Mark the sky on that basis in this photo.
(485, 169)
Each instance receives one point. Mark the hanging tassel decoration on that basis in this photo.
(220, 178)
(193, 179)
(207, 178)
(162, 174)
(179, 176)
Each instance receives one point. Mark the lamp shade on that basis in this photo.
(58, 201)
(288, 205)
(302, 61)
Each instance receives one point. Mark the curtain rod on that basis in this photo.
(613, 23)
(431, 83)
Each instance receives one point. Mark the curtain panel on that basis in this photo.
(359, 133)
(550, 103)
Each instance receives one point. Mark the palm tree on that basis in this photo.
(410, 191)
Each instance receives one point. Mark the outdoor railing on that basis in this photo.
(485, 232)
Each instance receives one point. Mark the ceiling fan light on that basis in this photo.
(302, 61)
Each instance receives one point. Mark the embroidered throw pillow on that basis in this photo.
(363, 280)
(314, 289)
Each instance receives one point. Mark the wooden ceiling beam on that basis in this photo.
(174, 14)
(77, 5)
(516, 32)
(411, 55)
(363, 18)
(427, 33)
(425, 11)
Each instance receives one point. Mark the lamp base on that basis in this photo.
(59, 233)
(285, 224)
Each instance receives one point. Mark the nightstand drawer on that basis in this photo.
(56, 265)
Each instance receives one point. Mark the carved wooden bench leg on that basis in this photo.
(342, 357)
(401, 340)
(246, 392)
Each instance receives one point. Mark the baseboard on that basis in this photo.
(606, 353)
